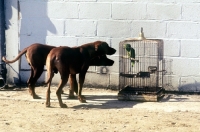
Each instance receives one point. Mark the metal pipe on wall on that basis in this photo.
(3, 69)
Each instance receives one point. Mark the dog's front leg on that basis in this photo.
(80, 86)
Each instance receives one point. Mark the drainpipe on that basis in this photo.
(3, 69)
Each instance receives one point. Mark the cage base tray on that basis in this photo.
(140, 94)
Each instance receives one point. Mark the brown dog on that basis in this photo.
(97, 61)
(70, 61)
(36, 56)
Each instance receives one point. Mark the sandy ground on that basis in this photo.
(102, 113)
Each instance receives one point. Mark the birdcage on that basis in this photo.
(141, 69)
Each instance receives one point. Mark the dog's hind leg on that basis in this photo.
(73, 86)
(62, 83)
(36, 74)
(80, 86)
(29, 82)
(48, 94)
(31, 76)
(50, 76)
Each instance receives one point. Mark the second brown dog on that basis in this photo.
(70, 61)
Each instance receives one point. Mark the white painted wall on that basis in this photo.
(75, 22)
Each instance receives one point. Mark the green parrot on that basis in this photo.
(131, 53)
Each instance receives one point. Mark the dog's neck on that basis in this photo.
(92, 52)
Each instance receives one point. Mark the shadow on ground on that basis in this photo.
(96, 99)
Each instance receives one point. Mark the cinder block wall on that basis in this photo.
(75, 22)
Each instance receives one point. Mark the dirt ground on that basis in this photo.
(102, 112)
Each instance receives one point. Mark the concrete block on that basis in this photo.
(163, 11)
(151, 29)
(80, 28)
(97, 80)
(171, 82)
(26, 41)
(61, 41)
(196, 83)
(95, 10)
(172, 48)
(127, 10)
(62, 10)
(185, 67)
(189, 84)
(191, 12)
(183, 30)
(33, 9)
(92, 69)
(45, 26)
(115, 67)
(190, 48)
(110, 28)
(114, 81)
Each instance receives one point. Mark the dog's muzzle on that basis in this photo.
(111, 51)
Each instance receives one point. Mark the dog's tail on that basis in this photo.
(49, 67)
(17, 58)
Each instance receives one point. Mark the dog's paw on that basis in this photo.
(47, 104)
(63, 106)
(82, 99)
(36, 97)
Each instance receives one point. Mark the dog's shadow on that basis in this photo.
(111, 101)
(104, 102)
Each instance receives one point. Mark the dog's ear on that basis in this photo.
(96, 47)
(101, 45)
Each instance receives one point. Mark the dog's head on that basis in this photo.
(103, 48)
(101, 61)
